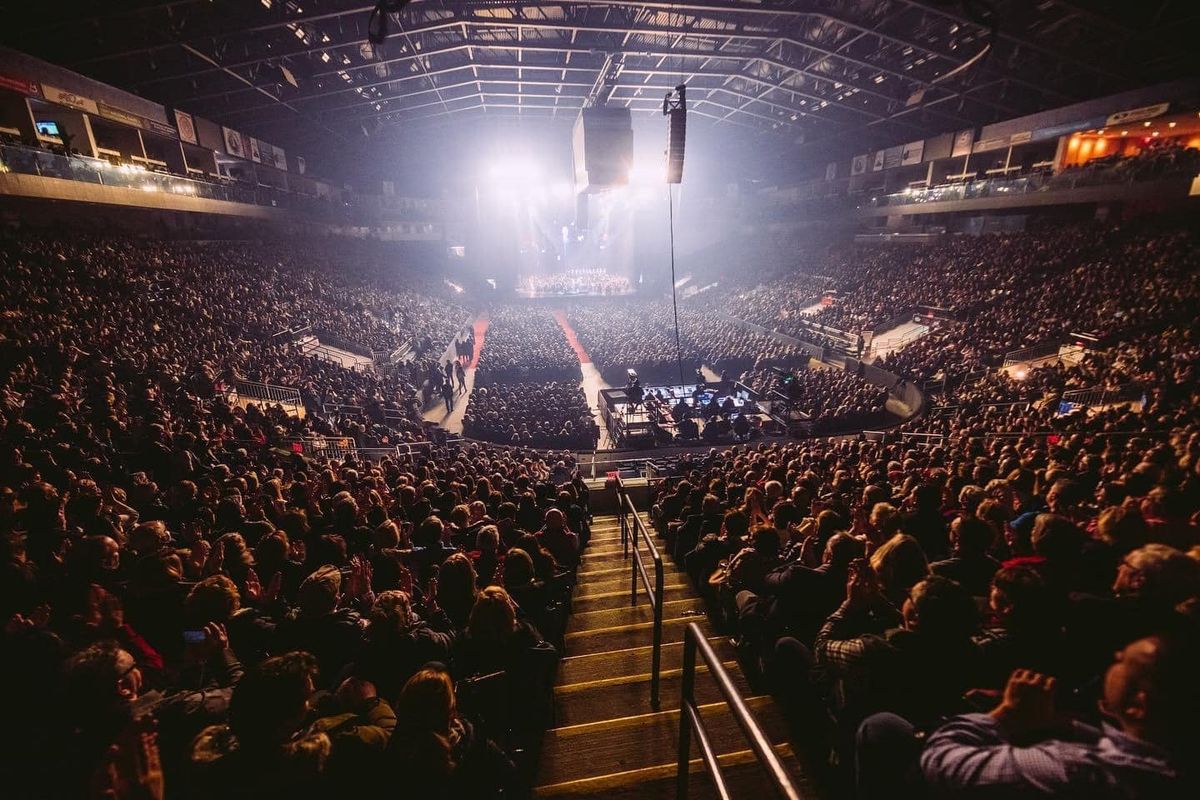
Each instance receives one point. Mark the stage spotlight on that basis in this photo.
(514, 170)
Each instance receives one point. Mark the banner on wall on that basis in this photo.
(891, 156)
(118, 115)
(161, 128)
(233, 143)
(300, 165)
(859, 165)
(69, 99)
(912, 153)
(187, 126)
(962, 143)
(831, 170)
(1138, 114)
(1021, 138)
(20, 85)
(879, 158)
(279, 158)
(255, 153)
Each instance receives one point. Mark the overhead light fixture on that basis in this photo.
(1170, 124)
(266, 4)
(326, 57)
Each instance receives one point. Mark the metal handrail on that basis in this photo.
(267, 391)
(630, 534)
(690, 723)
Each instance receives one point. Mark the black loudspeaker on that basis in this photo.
(676, 137)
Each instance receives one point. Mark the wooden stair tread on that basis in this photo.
(606, 742)
(633, 660)
(741, 769)
(609, 743)
(580, 703)
(621, 637)
(628, 615)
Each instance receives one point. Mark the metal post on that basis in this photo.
(685, 726)
(633, 564)
(656, 651)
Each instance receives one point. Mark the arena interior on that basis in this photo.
(616, 400)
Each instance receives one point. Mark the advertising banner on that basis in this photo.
(21, 85)
(891, 156)
(859, 165)
(962, 143)
(280, 159)
(831, 170)
(187, 126)
(255, 153)
(912, 152)
(118, 115)
(69, 99)
(233, 142)
(879, 159)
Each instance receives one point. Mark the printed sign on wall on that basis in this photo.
(233, 143)
(187, 126)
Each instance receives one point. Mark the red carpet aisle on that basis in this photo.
(592, 382)
(481, 326)
(572, 339)
(452, 420)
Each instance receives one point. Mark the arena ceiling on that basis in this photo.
(879, 70)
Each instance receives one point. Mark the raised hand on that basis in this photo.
(1028, 704)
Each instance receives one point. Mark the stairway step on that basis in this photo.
(743, 775)
(634, 660)
(589, 573)
(592, 561)
(618, 581)
(604, 549)
(619, 597)
(606, 743)
(629, 615)
(621, 637)
(578, 703)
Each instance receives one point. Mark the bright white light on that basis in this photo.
(648, 174)
(514, 170)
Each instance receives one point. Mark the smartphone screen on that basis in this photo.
(193, 637)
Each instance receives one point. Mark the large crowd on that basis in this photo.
(640, 335)
(193, 600)
(834, 400)
(524, 344)
(532, 415)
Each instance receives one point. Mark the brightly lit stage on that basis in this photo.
(712, 411)
(574, 283)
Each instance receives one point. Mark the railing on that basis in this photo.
(267, 392)
(84, 169)
(631, 534)
(1038, 351)
(691, 723)
(1102, 396)
(341, 343)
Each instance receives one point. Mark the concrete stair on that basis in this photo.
(609, 742)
